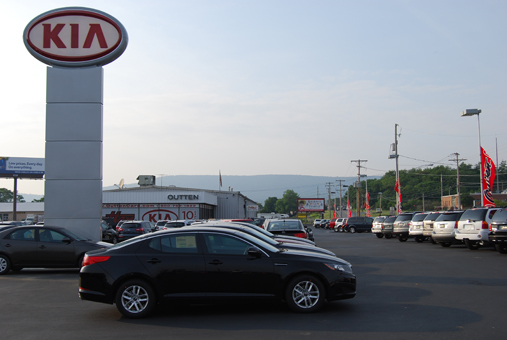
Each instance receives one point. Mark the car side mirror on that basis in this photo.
(66, 240)
(254, 252)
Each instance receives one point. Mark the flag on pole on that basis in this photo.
(367, 204)
(348, 209)
(488, 178)
(397, 188)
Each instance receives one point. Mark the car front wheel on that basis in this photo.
(305, 294)
(379, 235)
(5, 265)
(352, 230)
(135, 299)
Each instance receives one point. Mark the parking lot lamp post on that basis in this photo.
(380, 194)
(471, 112)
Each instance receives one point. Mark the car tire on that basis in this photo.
(419, 239)
(388, 236)
(402, 238)
(501, 248)
(5, 265)
(135, 299)
(379, 235)
(445, 244)
(352, 229)
(432, 240)
(305, 294)
(472, 245)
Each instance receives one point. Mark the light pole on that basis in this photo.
(380, 194)
(471, 112)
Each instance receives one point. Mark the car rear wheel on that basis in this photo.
(135, 299)
(445, 244)
(5, 265)
(419, 239)
(472, 245)
(352, 229)
(379, 235)
(501, 248)
(305, 294)
(388, 236)
(402, 238)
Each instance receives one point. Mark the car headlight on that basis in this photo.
(340, 267)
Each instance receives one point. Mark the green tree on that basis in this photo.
(7, 196)
(288, 203)
(38, 200)
(269, 205)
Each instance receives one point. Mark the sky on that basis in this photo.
(254, 87)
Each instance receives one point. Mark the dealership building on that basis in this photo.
(153, 203)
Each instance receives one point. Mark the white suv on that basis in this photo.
(444, 228)
(415, 227)
(473, 227)
(338, 226)
(376, 227)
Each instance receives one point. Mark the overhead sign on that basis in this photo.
(311, 205)
(21, 167)
(75, 37)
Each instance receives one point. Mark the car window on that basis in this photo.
(284, 225)
(432, 216)
(474, 215)
(500, 216)
(225, 245)
(448, 217)
(23, 235)
(177, 244)
(46, 235)
(419, 217)
(492, 213)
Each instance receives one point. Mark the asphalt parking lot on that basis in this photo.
(405, 291)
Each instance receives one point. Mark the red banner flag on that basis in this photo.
(348, 209)
(367, 204)
(397, 188)
(488, 178)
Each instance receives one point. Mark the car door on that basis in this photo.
(176, 263)
(53, 251)
(21, 247)
(230, 271)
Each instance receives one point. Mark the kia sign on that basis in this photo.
(75, 37)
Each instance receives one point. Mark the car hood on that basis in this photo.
(293, 253)
(305, 247)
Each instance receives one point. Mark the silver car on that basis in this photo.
(376, 227)
(444, 228)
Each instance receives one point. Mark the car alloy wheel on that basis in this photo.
(352, 230)
(445, 244)
(380, 235)
(388, 236)
(419, 239)
(402, 238)
(472, 245)
(305, 294)
(5, 265)
(135, 299)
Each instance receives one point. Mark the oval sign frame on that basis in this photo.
(99, 59)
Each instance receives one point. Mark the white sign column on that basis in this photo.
(73, 190)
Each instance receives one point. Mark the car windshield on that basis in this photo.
(448, 217)
(432, 216)
(419, 217)
(474, 215)
(379, 220)
(404, 218)
(500, 216)
(390, 219)
(284, 225)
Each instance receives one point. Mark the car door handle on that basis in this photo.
(42, 247)
(216, 262)
(8, 245)
(153, 261)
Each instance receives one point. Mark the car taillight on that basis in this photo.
(120, 229)
(87, 260)
(410, 224)
(140, 229)
(485, 225)
(456, 225)
(300, 235)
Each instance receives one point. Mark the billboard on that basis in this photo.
(311, 205)
(21, 167)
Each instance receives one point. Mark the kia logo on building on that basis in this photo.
(75, 37)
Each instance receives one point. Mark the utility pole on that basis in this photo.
(398, 203)
(458, 201)
(328, 185)
(380, 194)
(497, 166)
(423, 203)
(358, 186)
(340, 180)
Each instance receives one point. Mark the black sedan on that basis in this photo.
(207, 263)
(42, 247)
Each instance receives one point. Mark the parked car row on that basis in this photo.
(474, 227)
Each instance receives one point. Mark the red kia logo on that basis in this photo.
(75, 36)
